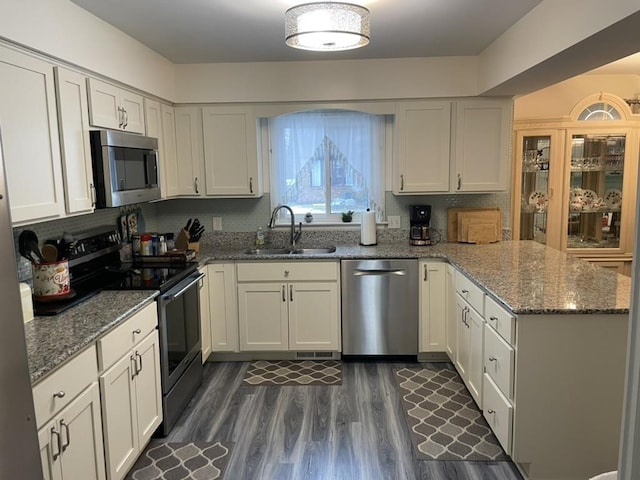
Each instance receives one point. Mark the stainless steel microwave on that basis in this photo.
(125, 168)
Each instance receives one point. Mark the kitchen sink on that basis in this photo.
(287, 251)
(313, 251)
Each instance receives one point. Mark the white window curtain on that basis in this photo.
(327, 162)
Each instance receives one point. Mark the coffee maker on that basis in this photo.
(419, 216)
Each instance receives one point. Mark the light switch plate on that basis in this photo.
(217, 223)
(393, 221)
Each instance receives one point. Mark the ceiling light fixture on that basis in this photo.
(327, 26)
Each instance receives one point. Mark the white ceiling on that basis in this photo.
(214, 31)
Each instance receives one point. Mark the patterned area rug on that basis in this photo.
(444, 421)
(182, 461)
(286, 372)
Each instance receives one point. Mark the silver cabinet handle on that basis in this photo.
(491, 412)
(92, 189)
(495, 319)
(138, 356)
(55, 455)
(126, 118)
(135, 366)
(66, 430)
(250, 184)
(195, 185)
(465, 291)
(286, 274)
(401, 182)
(459, 181)
(59, 394)
(291, 293)
(137, 331)
(492, 359)
(120, 117)
(425, 273)
(284, 295)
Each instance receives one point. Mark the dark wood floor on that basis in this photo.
(356, 431)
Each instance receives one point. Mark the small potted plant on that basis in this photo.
(347, 216)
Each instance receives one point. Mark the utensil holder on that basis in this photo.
(182, 241)
(51, 280)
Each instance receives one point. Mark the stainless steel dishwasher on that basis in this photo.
(379, 307)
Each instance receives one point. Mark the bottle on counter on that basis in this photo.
(145, 244)
(259, 237)
(171, 243)
(162, 245)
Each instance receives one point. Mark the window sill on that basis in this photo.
(327, 225)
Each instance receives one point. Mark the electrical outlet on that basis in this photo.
(217, 223)
(393, 221)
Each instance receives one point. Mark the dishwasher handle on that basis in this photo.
(358, 272)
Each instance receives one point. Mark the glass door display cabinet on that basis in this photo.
(575, 182)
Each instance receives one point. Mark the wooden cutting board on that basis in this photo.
(486, 222)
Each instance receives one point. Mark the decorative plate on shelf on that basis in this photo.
(538, 199)
(613, 198)
(589, 197)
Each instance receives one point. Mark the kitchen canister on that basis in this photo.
(51, 280)
(368, 228)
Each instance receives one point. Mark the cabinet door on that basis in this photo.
(463, 338)
(223, 307)
(476, 358)
(81, 435)
(423, 130)
(189, 150)
(104, 106)
(148, 390)
(433, 334)
(262, 309)
(132, 105)
(30, 138)
(481, 145)
(73, 117)
(230, 151)
(169, 159)
(314, 316)
(50, 449)
(205, 315)
(119, 417)
(451, 325)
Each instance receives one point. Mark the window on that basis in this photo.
(600, 111)
(328, 162)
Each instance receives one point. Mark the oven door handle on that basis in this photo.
(173, 296)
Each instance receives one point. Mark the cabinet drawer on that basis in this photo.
(57, 390)
(498, 360)
(122, 338)
(470, 292)
(498, 412)
(287, 271)
(500, 319)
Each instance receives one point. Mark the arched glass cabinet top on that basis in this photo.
(600, 111)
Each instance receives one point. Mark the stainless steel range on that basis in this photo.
(94, 265)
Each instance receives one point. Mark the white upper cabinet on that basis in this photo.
(115, 108)
(160, 124)
(481, 145)
(29, 129)
(230, 152)
(423, 138)
(188, 122)
(73, 118)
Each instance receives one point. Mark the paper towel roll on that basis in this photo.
(368, 228)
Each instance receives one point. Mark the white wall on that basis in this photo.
(327, 80)
(558, 40)
(63, 30)
(558, 100)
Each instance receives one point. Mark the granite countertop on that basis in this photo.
(525, 276)
(51, 341)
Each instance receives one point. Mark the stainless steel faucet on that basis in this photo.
(294, 235)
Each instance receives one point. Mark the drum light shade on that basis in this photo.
(327, 26)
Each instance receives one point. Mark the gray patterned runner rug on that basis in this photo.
(182, 461)
(444, 422)
(287, 372)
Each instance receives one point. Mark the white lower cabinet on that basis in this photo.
(302, 313)
(71, 443)
(498, 412)
(131, 396)
(433, 311)
(205, 315)
(223, 307)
